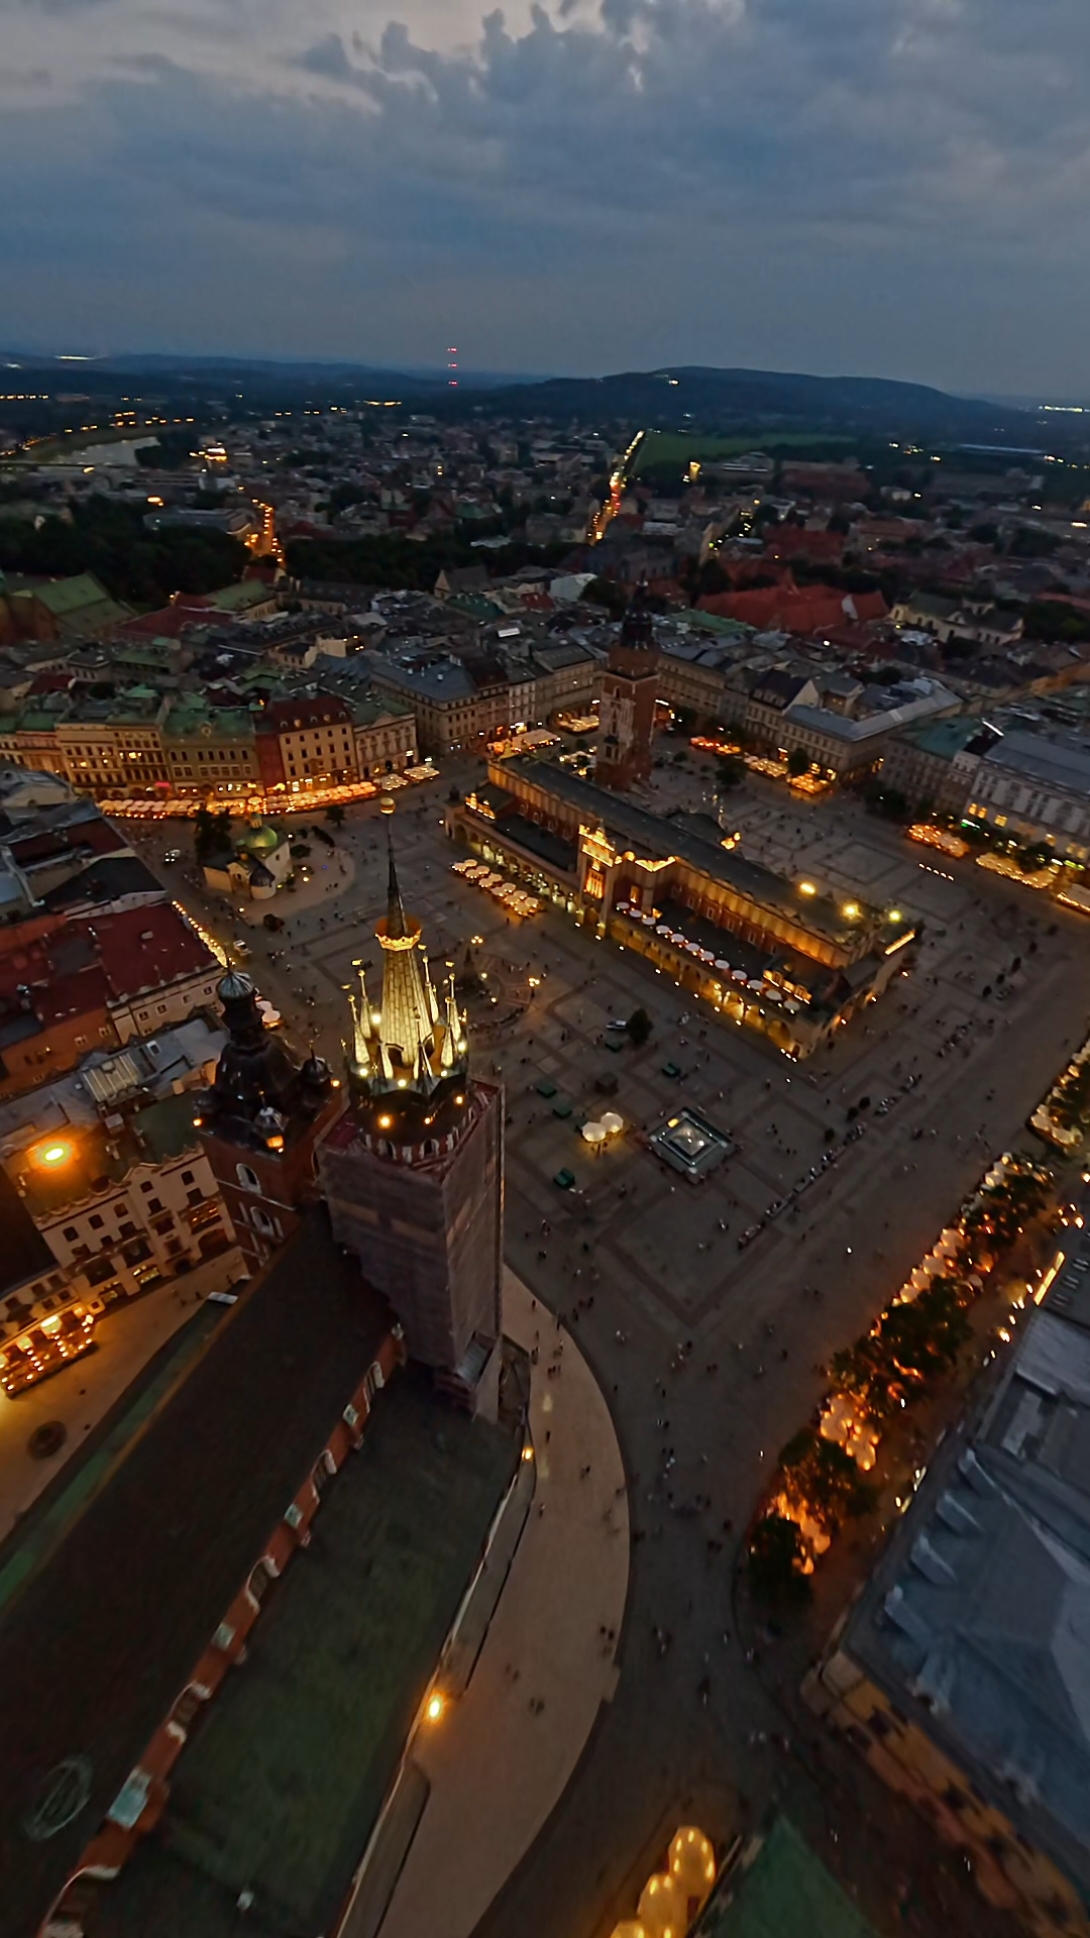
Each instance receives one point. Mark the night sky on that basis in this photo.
(884, 187)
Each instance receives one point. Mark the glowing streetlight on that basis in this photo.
(53, 1154)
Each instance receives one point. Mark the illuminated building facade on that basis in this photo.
(626, 710)
(413, 1172)
(781, 956)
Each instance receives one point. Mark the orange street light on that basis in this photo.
(53, 1154)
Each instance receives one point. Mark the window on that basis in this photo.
(155, 1204)
(70, 1233)
(187, 1177)
(248, 1178)
(96, 1223)
(259, 1582)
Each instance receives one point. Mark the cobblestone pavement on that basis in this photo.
(657, 1265)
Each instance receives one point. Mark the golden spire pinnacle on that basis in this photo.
(404, 1043)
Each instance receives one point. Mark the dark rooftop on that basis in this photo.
(784, 1892)
(281, 1783)
(23, 1250)
(101, 1639)
(106, 880)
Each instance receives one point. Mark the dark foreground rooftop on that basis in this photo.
(98, 1644)
(784, 1892)
(278, 1790)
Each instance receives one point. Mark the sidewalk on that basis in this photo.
(497, 1764)
(80, 1395)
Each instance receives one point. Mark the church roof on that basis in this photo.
(260, 840)
(131, 1584)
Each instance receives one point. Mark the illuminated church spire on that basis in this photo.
(404, 1044)
(406, 1026)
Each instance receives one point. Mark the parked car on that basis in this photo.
(172, 855)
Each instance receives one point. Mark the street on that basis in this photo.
(710, 1356)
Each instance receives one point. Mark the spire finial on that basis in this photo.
(395, 907)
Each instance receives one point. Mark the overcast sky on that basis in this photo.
(890, 187)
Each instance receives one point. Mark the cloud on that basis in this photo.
(329, 58)
(888, 185)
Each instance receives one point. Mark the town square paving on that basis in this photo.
(710, 1355)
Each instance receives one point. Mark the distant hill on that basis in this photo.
(711, 399)
(216, 371)
(751, 404)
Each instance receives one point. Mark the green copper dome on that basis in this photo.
(259, 839)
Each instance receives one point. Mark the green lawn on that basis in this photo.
(660, 448)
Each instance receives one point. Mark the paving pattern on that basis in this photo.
(710, 1355)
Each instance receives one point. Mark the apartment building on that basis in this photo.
(209, 750)
(308, 739)
(463, 699)
(960, 1672)
(385, 736)
(70, 984)
(104, 1187)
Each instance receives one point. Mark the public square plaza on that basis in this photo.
(710, 1352)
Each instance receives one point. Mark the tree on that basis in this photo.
(335, 814)
(825, 1480)
(730, 773)
(109, 539)
(638, 1027)
(211, 833)
(798, 762)
(204, 834)
(777, 1560)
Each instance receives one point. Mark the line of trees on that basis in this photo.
(109, 539)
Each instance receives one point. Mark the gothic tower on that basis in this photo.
(412, 1174)
(259, 1123)
(626, 710)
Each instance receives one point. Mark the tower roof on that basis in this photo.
(395, 907)
(638, 624)
(258, 1097)
(405, 1043)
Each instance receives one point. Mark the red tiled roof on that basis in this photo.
(95, 837)
(795, 542)
(284, 716)
(75, 995)
(50, 683)
(795, 609)
(145, 948)
(169, 621)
